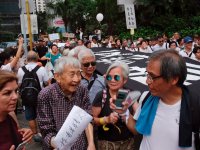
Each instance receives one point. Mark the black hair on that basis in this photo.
(172, 42)
(142, 42)
(196, 49)
(54, 45)
(95, 38)
(159, 37)
(5, 55)
(86, 43)
(179, 40)
(172, 65)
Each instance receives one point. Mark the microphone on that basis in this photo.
(132, 97)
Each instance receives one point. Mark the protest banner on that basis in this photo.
(54, 36)
(137, 62)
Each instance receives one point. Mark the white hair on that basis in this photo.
(65, 52)
(123, 65)
(75, 51)
(65, 61)
(84, 53)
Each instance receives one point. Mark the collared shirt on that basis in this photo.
(53, 107)
(98, 85)
(146, 50)
(6, 67)
(158, 47)
(184, 53)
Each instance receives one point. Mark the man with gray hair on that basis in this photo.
(30, 110)
(90, 79)
(168, 116)
(57, 100)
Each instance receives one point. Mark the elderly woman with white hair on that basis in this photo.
(89, 78)
(113, 133)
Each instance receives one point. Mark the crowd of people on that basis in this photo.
(167, 116)
(184, 45)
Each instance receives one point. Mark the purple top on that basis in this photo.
(53, 107)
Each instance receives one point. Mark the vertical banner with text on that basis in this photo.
(130, 16)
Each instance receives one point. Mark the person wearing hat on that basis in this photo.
(187, 51)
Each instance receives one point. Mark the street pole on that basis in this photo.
(24, 33)
(132, 32)
(23, 29)
(29, 25)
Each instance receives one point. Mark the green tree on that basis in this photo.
(73, 13)
(155, 13)
(42, 22)
(112, 17)
(52, 30)
(60, 8)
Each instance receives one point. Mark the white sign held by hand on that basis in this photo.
(74, 125)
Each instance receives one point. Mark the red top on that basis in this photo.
(9, 133)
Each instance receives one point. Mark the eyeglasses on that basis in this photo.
(150, 78)
(89, 63)
(116, 77)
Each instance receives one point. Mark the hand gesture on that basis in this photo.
(113, 118)
(27, 134)
(12, 147)
(21, 41)
(119, 111)
(91, 147)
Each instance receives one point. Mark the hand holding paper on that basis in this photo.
(74, 125)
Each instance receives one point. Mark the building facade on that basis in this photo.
(9, 18)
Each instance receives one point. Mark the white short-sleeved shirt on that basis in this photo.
(196, 59)
(183, 53)
(147, 50)
(165, 128)
(41, 72)
(158, 47)
(6, 67)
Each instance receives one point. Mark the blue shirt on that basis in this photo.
(53, 57)
(98, 85)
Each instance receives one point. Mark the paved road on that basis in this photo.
(23, 123)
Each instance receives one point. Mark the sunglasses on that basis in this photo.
(116, 77)
(89, 63)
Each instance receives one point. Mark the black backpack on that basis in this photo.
(30, 87)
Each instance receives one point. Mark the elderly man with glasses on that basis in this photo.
(168, 116)
(56, 101)
(90, 79)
